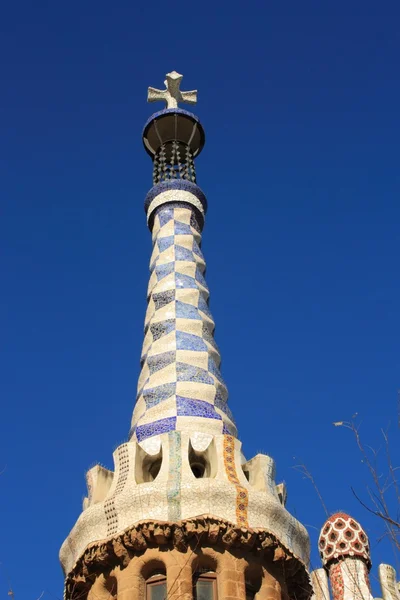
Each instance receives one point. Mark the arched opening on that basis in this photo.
(203, 463)
(253, 580)
(198, 465)
(147, 465)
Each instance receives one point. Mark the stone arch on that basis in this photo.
(153, 572)
(105, 587)
(206, 560)
(153, 566)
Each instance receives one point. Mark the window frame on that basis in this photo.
(154, 581)
(206, 576)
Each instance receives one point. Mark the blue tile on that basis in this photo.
(221, 403)
(208, 335)
(197, 250)
(153, 264)
(212, 367)
(228, 431)
(188, 341)
(203, 306)
(163, 298)
(159, 361)
(158, 394)
(185, 281)
(188, 407)
(189, 373)
(162, 328)
(182, 229)
(182, 253)
(165, 242)
(155, 428)
(165, 215)
(200, 278)
(164, 270)
(186, 311)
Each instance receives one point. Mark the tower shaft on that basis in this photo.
(180, 386)
(183, 514)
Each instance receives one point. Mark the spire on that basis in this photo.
(180, 385)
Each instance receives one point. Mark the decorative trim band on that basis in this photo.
(242, 496)
(210, 531)
(169, 186)
(167, 111)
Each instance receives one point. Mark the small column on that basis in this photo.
(345, 553)
(389, 585)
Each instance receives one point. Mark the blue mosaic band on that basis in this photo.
(175, 191)
(180, 385)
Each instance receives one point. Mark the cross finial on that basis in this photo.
(172, 94)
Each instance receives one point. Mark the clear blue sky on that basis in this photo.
(300, 102)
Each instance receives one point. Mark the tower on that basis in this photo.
(183, 515)
(345, 554)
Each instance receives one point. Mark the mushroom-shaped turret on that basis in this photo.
(345, 554)
(342, 536)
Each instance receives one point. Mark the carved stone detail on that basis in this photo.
(118, 551)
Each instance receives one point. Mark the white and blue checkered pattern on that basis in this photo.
(180, 386)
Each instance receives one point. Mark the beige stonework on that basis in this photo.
(233, 569)
(120, 567)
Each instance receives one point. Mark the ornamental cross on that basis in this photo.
(172, 95)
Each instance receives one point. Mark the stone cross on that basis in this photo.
(172, 95)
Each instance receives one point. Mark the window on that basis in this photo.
(156, 588)
(253, 579)
(205, 587)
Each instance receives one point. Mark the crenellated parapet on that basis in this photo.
(158, 479)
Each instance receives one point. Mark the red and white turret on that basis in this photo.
(345, 554)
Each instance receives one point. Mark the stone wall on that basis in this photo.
(233, 571)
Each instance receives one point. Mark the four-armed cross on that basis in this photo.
(172, 95)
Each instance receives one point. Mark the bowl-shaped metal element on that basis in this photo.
(173, 124)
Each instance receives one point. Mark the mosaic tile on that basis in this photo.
(187, 341)
(189, 407)
(166, 215)
(242, 497)
(203, 306)
(184, 281)
(165, 242)
(155, 428)
(189, 373)
(174, 476)
(182, 253)
(159, 361)
(182, 229)
(212, 367)
(162, 328)
(164, 270)
(179, 347)
(163, 298)
(186, 311)
(157, 394)
(196, 249)
(199, 277)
